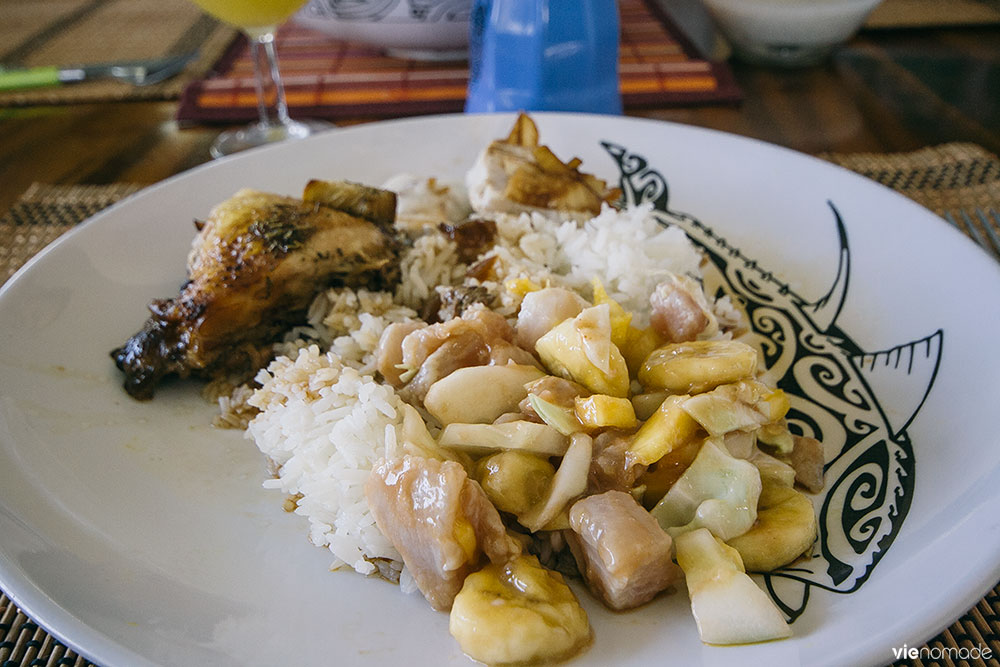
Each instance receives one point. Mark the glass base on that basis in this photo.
(261, 134)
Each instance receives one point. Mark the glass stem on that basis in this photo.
(271, 106)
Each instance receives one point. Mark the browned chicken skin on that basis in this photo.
(255, 266)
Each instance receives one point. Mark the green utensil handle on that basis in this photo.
(35, 77)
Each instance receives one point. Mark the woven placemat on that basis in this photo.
(942, 178)
(947, 179)
(328, 78)
(85, 32)
(42, 214)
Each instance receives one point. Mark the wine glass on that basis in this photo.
(259, 20)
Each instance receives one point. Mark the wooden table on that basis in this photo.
(886, 91)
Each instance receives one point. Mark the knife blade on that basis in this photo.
(136, 72)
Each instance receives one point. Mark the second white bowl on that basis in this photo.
(788, 32)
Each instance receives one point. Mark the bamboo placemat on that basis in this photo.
(84, 32)
(942, 178)
(327, 78)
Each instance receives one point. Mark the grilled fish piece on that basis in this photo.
(256, 264)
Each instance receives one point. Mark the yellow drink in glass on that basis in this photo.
(251, 14)
(258, 20)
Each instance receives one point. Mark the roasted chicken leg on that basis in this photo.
(254, 267)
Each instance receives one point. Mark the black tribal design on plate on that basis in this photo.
(835, 389)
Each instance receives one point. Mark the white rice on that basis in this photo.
(323, 425)
(432, 261)
(347, 322)
(324, 420)
(630, 252)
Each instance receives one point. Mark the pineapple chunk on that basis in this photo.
(784, 530)
(669, 428)
(698, 366)
(580, 349)
(639, 344)
(465, 538)
(601, 411)
(521, 286)
(728, 606)
(774, 404)
(620, 318)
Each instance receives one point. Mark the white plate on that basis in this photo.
(138, 534)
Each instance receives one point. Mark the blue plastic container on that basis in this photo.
(544, 55)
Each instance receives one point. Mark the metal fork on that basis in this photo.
(142, 72)
(137, 73)
(983, 226)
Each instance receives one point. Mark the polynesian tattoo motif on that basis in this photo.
(437, 10)
(836, 391)
(354, 10)
(425, 11)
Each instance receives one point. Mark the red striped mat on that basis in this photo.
(327, 78)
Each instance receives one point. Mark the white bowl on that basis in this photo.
(788, 32)
(420, 29)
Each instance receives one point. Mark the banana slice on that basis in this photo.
(697, 366)
(601, 411)
(518, 613)
(784, 530)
